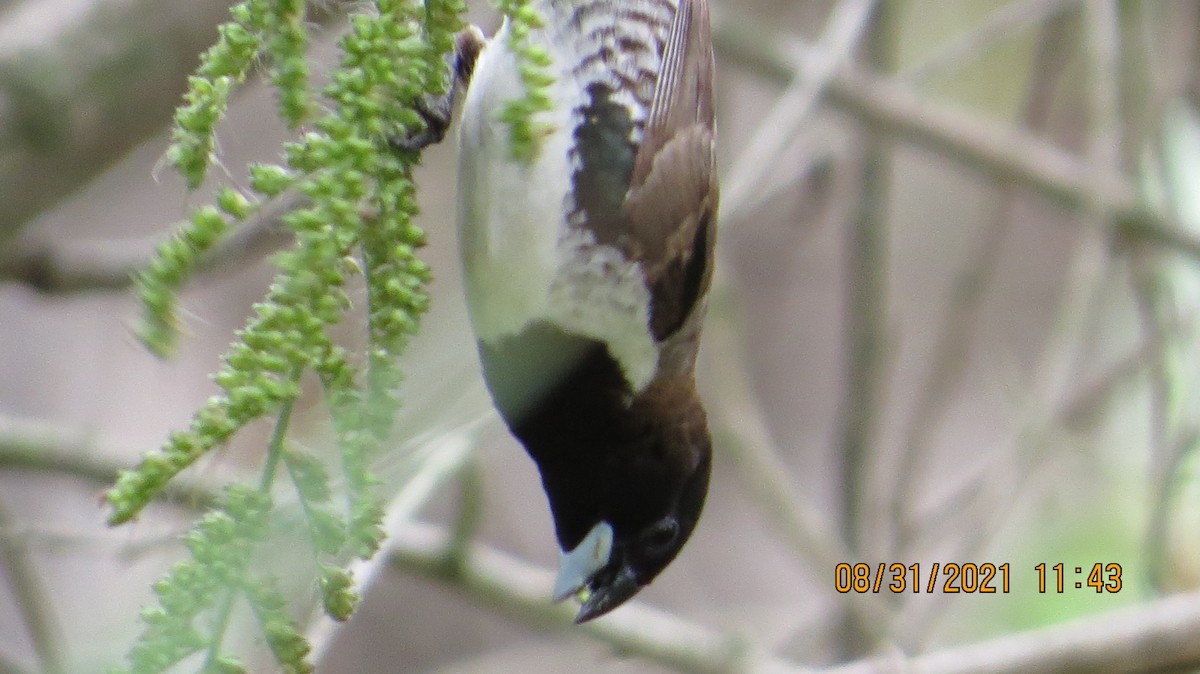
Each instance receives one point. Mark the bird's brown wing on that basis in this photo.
(672, 197)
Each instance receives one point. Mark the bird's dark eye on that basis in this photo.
(660, 536)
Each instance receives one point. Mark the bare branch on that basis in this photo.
(513, 587)
(1157, 635)
(995, 150)
(865, 304)
(953, 341)
(103, 80)
(795, 105)
(37, 610)
(77, 99)
(53, 448)
(49, 267)
(999, 25)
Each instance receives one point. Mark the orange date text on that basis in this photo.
(947, 578)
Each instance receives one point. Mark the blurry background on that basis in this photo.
(953, 322)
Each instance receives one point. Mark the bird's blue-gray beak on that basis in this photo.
(577, 567)
(577, 575)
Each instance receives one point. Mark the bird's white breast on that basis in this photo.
(523, 260)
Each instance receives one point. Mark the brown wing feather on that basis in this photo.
(673, 192)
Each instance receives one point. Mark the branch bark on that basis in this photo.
(1153, 636)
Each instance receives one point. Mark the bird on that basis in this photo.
(587, 272)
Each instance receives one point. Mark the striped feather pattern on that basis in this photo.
(618, 43)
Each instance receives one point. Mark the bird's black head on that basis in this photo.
(644, 540)
(624, 513)
(626, 473)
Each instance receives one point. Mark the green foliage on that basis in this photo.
(525, 132)
(173, 264)
(285, 640)
(355, 221)
(338, 597)
(221, 544)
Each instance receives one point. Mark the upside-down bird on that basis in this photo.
(587, 271)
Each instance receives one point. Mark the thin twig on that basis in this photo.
(47, 267)
(1103, 31)
(863, 368)
(952, 344)
(1052, 375)
(1074, 415)
(996, 150)
(865, 294)
(798, 523)
(1089, 402)
(27, 444)
(970, 44)
(37, 609)
(1156, 307)
(795, 106)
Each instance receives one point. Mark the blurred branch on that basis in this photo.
(864, 316)
(521, 591)
(9, 667)
(795, 105)
(1000, 25)
(1157, 635)
(52, 448)
(768, 480)
(37, 610)
(48, 267)
(1103, 40)
(952, 346)
(1081, 410)
(77, 99)
(864, 329)
(998, 151)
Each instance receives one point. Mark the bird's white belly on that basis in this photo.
(522, 261)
